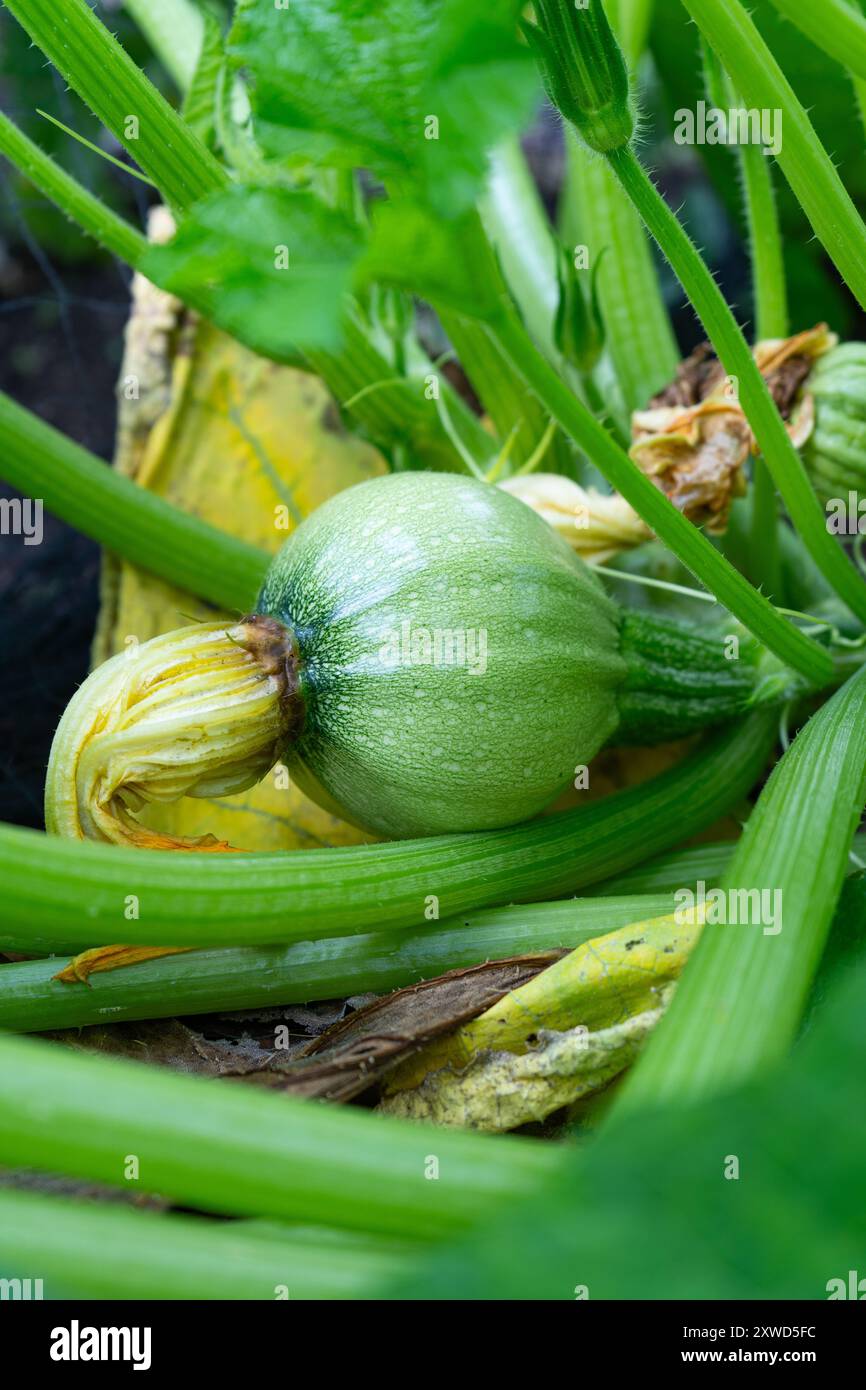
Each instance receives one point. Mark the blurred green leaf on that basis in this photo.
(273, 265)
(269, 265)
(416, 90)
(448, 262)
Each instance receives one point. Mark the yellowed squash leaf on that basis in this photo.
(499, 1091)
(600, 986)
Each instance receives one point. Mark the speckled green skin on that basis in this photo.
(836, 453)
(405, 748)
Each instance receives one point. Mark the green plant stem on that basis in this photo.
(518, 229)
(108, 229)
(765, 244)
(781, 457)
(771, 321)
(832, 25)
(684, 539)
(91, 60)
(808, 168)
(248, 977)
(771, 317)
(639, 338)
(104, 1250)
(765, 558)
(59, 891)
(239, 1150)
(497, 929)
(742, 995)
(375, 960)
(520, 233)
(762, 216)
(125, 518)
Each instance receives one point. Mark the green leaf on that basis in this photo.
(417, 90)
(447, 262)
(273, 265)
(269, 265)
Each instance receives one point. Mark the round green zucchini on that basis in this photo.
(453, 663)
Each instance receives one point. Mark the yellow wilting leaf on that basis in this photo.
(499, 1091)
(560, 1036)
(252, 447)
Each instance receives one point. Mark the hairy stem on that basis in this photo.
(779, 453)
(91, 60)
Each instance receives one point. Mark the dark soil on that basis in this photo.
(60, 345)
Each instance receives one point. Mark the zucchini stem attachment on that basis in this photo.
(202, 711)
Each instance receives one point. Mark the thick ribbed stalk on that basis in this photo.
(742, 996)
(695, 551)
(125, 518)
(517, 226)
(239, 1150)
(250, 977)
(105, 1251)
(378, 960)
(638, 333)
(91, 60)
(62, 890)
(779, 453)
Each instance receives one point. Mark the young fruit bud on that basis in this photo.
(203, 711)
(583, 70)
(578, 328)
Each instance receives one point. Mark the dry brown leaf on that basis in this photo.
(361, 1048)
